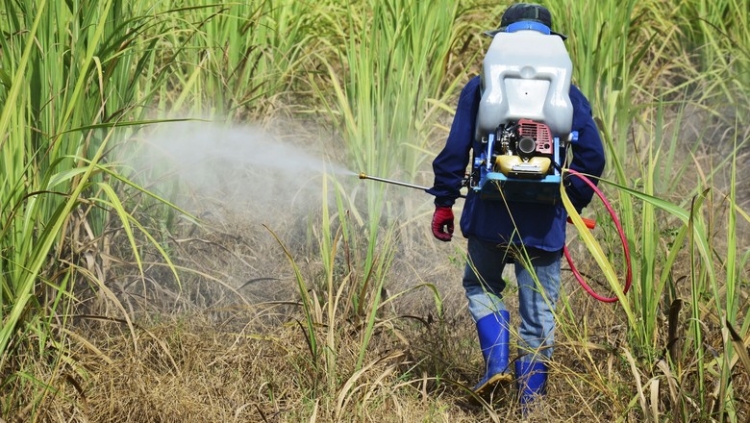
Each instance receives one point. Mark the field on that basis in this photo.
(183, 236)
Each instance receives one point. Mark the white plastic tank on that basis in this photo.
(526, 74)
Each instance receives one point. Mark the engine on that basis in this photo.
(525, 149)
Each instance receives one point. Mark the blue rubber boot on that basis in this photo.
(493, 339)
(531, 379)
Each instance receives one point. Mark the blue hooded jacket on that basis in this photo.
(539, 226)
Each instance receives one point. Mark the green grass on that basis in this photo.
(61, 108)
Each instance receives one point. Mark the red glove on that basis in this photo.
(442, 223)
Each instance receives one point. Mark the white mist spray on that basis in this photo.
(215, 169)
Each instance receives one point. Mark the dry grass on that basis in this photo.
(197, 367)
(191, 369)
(238, 353)
(241, 355)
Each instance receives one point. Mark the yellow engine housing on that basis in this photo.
(516, 167)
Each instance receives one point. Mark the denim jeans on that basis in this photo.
(484, 285)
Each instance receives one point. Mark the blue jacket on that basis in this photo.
(539, 225)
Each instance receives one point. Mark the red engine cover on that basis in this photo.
(537, 131)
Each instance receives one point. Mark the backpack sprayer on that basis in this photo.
(524, 126)
(525, 116)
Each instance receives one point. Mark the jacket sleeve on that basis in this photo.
(450, 164)
(588, 152)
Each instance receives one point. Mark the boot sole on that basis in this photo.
(491, 382)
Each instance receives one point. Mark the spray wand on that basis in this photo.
(391, 181)
(590, 224)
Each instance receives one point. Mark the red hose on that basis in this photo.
(616, 221)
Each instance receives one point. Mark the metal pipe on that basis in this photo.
(390, 181)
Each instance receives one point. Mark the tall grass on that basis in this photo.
(394, 55)
(388, 82)
(66, 66)
(351, 336)
(716, 35)
(667, 83)
(238, 57)
(636, 64)
(42, 180)
(383, 89)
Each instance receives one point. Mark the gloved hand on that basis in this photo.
(442, 223)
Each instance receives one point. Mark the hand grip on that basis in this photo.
(590, 223)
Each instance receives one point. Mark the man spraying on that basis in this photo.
(518, 120)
